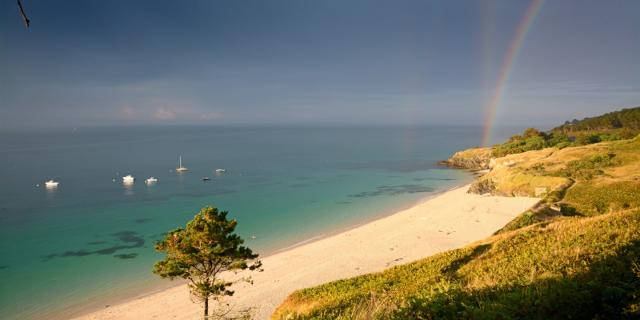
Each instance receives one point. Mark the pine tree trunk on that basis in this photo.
(206, 307)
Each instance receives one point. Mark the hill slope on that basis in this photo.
(625, 118)
(570, 268)
(575, 255)
(576, 181)
(618, 125)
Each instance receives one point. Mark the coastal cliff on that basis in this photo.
(472, 159)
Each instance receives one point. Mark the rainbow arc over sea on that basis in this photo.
(504, 74)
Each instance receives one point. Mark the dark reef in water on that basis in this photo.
(126, 256)
(127, 239)
(142, 220)
(393, 190)
(299, 185)
(433, 179)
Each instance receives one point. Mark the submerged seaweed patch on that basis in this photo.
(158, 235)
(299, 185)
(393, 190)
(142, 220)
(79, 253)
(394, 166)
(127, 239)
(433, 179)
(3, 267)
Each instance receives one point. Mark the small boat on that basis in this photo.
(221, 170)
(206, 178)
(181, 168)
(128, 179)
(51, 184)
(151, 180)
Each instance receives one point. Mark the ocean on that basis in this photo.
(89, 242)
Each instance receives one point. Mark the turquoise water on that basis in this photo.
(90, 241)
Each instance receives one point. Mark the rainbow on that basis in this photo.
(505, 69)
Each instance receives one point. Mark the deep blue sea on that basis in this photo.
(89, 242)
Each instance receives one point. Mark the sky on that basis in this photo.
(304, 62)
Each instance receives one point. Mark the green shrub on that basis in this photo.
(588, 139)
(519, 145)
(587, 168)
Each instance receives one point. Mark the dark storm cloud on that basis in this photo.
(306, 62)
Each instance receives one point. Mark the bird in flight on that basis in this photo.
(24, 15)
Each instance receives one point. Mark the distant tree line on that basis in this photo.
(625, 118)
(623, 124)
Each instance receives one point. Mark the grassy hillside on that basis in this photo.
(575, 255)
(578, 181)
(571, 268)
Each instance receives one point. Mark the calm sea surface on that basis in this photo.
(90, 240)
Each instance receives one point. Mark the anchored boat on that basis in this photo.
(128, 179)
(51, 184)
(181, 168)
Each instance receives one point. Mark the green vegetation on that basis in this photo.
(203, 250)
(619, 125)
(576, 254)
(625, 118)
(587, 168)
(570, 268)
(587, 199)
(531, 139)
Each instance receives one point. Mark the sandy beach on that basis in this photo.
(450, 220)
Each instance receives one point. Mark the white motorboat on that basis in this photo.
(151, 180)
(181, 168)
(221, 170)
(51, 184)
(128, 179)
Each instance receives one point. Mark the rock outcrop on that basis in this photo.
(472, 159)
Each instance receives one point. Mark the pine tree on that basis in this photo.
(203, 250)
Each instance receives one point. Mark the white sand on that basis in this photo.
(450, 220)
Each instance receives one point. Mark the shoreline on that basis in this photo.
(364, 221)
(81, 310)
(328, 249)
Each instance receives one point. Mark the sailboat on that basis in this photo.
(181, 168)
